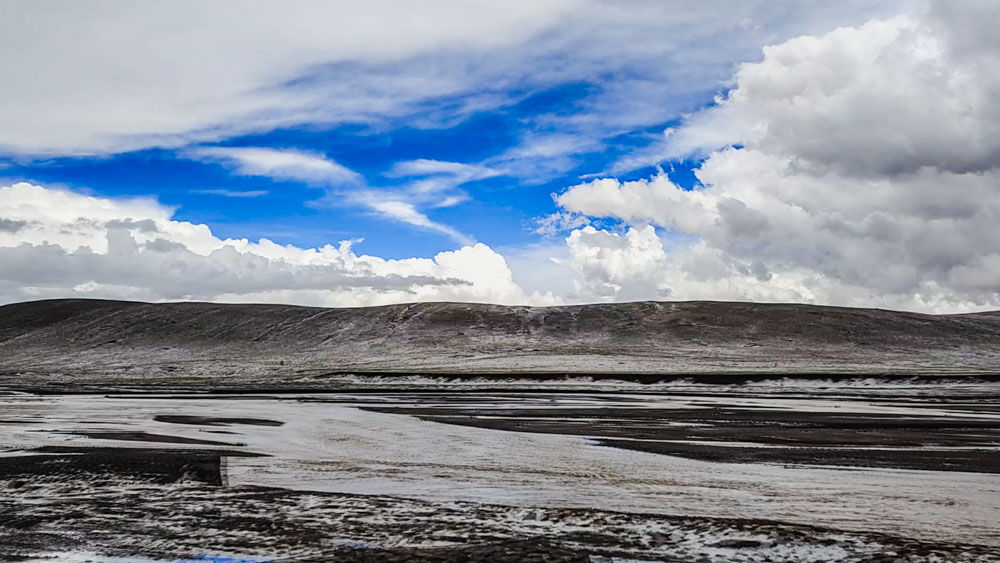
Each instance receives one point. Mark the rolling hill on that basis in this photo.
(94, 342)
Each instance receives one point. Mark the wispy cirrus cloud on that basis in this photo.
(427, 184)
(407, 213)
(233, 193)
(280, 164)
(436, 183)
(218, 71)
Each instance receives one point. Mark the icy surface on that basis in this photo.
(335, 447)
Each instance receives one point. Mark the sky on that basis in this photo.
(518, 152)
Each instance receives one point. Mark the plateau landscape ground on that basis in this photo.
(653, 431)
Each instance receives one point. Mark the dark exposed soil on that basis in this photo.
(133, 436)
(528, 551)
(214, 421)
(173, 504)
(743, 435)
(84, 463)
(979, 461)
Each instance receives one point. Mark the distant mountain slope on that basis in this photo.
(74, 341)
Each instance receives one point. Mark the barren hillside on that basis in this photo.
(58, 342)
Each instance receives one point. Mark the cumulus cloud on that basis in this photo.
(12, 225)
(867, 172)
(639, 264)
(619, 266)
(890, 97)
(68, 244)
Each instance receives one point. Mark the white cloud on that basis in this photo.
(619, 266)
(435, 186)
(232, 193)
(868, 171)
(426, 167)
(104, 78)
(282, 164)
(60, 244)
(108, 77)
(639, 265)
(430, 184)
(434, 183)
(559, 222)
(889, 97)
(538, 158)
(869, 174)
(405, 212)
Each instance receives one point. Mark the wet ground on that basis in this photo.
(789, 471)
(778, 431)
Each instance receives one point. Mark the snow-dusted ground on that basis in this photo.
(73, 345)
(335, 447)
(865, 388)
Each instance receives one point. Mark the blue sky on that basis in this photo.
(602, 81)
(566, 151)
(500, 210)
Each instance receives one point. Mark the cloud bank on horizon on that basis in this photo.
(845, 155)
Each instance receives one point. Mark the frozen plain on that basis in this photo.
(334, 443)
(703, 431)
